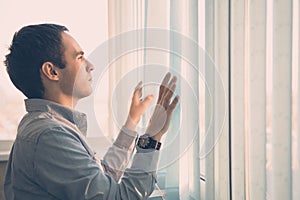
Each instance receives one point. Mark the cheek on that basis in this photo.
(68, 81)
(80, 76)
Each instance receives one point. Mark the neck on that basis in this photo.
(66, 101)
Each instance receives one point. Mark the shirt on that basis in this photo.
(51, 159)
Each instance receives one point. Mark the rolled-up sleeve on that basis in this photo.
(66, 170)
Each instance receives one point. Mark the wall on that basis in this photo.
(2, 176)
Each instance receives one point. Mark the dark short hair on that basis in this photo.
(32, 46)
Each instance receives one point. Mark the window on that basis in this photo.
(86, 21)
(246, 144)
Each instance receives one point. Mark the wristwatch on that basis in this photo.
(147, 142)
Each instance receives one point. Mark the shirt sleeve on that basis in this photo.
(66, 170)
(118, 155)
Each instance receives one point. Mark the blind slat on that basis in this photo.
(238, 98)
(257, 99)
(296, 97)
(220, 106)
(281, 100)
(206, 153)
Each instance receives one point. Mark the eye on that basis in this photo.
(80, 55)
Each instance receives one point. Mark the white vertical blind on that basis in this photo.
(208, 155)
(256, 102)
(220, 105)
(238, 43)
(189, 162)
(261, 41)
(282, 100)
(296, 109)
(122, 17)
(251, 174)
(238, 98)
(216, 146)
(202, 87)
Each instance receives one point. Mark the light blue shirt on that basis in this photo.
(51, 159)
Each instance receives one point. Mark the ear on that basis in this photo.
(50, 71)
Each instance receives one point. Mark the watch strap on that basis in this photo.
(147, 142)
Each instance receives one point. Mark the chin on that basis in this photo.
(87, 93)
(83, 94)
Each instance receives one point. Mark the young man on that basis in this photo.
(50, 158)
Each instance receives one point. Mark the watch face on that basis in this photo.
(146, 142)
(143, 142)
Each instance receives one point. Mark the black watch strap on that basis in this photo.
(147, 142)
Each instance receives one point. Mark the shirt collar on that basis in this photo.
(73, 116)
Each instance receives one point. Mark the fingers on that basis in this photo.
(164, 84)
(169, 95)
(166, 79)
(148, 99)
(171, 87)
(167, 92)
(137, 94)
(138, 88)
(173, 104)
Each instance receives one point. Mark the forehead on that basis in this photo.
(70, 44)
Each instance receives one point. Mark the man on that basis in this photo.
(50, 158)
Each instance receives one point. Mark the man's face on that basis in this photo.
(76, 76)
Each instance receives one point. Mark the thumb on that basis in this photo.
(148, 99)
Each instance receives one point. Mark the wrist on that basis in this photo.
(155, 134)
(148, 142)
(157, 137)
(131, 124)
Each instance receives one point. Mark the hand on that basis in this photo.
(161, 117)
(137, 107)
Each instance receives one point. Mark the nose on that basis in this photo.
(89, 66)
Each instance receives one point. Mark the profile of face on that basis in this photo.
(76, 77)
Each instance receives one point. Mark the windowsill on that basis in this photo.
(4, 155)
(5, 146)
(99, 144)
(168, 193)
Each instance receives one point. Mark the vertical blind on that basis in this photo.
(216, 118)
(264, 36)
(281, 111)
(249, 91)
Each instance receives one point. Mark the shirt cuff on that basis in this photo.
(126, 139)
(145, 160)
